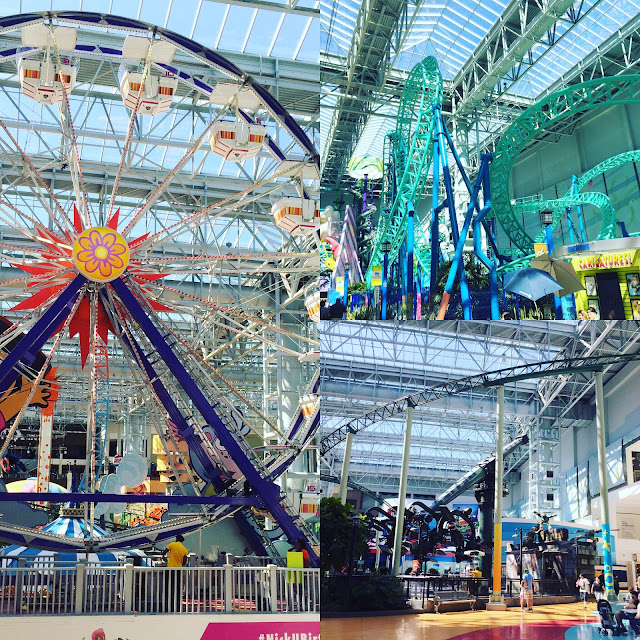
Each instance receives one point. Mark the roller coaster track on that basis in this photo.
(599, 200)
(573, 100)
(487, 379)
(412, 152)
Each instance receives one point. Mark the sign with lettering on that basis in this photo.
(539, 248)
(262, 631)
(607, 261)
(376, 276)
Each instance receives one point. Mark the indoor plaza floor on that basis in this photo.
(546, 622)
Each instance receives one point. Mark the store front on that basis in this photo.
(610, 273)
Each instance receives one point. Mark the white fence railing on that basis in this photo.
(127, 589)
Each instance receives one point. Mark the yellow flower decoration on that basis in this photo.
(101, 254)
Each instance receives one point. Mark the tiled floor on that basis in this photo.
(549, 622)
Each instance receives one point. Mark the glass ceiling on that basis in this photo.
(437, 351)
(214, 24)
(450, 30)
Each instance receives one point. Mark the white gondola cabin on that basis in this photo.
(237, 140)
(44, 82)
(157, 92)
(298, 216)
(308, 404)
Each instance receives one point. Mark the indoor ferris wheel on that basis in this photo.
(112, 258)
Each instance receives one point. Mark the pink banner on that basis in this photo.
(262, 631)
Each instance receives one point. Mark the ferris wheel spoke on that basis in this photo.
(128, 343)
(127, 142)
(234, 312)
(188, 155)
(193, 219)
(40, 375)
(70, 138)
(39, 184)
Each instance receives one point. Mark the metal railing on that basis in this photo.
(123, 589)
(424, 588)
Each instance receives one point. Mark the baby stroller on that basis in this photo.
(606, 618)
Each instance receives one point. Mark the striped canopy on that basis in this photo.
(72, 528)
(29, 486)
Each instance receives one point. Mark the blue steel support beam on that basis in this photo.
(25, 351)
(435, 236)
(477, 246)
(556, 301)
(385, 273)
(241, 501)
(457, 256)
(410, 289)
(187, 433)
(446, 175)
(269, 492)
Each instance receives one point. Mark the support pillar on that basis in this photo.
(402, 493)
(496, 600)
(601, 431)
(44, 449)
(344, 478)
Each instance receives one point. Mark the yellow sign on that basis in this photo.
(101, 254)
(376, 276)
(607, 261)
(539, 248)
(340, 284)
(295, 560)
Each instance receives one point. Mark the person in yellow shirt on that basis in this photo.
(177, 553)
(173, 584)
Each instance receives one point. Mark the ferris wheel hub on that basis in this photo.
(101, 254)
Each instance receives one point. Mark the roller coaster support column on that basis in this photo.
(481, 181)
(344, 477)
(402, 493)
(435, 208)
(443, 138)
(386, 246)
(601, 429)
(574, 190)
(410, 287)
(345, 294)
(268, 491)
(496, 600)
(557, 303)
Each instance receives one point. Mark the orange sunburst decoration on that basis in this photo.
(101, 254)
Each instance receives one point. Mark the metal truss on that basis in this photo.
(489, 379)
(380, 28)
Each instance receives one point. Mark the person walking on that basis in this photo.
(173, 584)
(583, 584)
(528, 586)
(597, 588)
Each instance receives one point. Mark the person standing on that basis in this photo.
(173, 585)
(528, 587)
(597, 588)
(583, 584)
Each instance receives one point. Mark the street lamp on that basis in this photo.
(546, 216)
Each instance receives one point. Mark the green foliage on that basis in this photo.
(477, 276)
(433, 572)
(368, 593)
(357, 287)
(362, 313)
(377, 593)
(338, 535)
